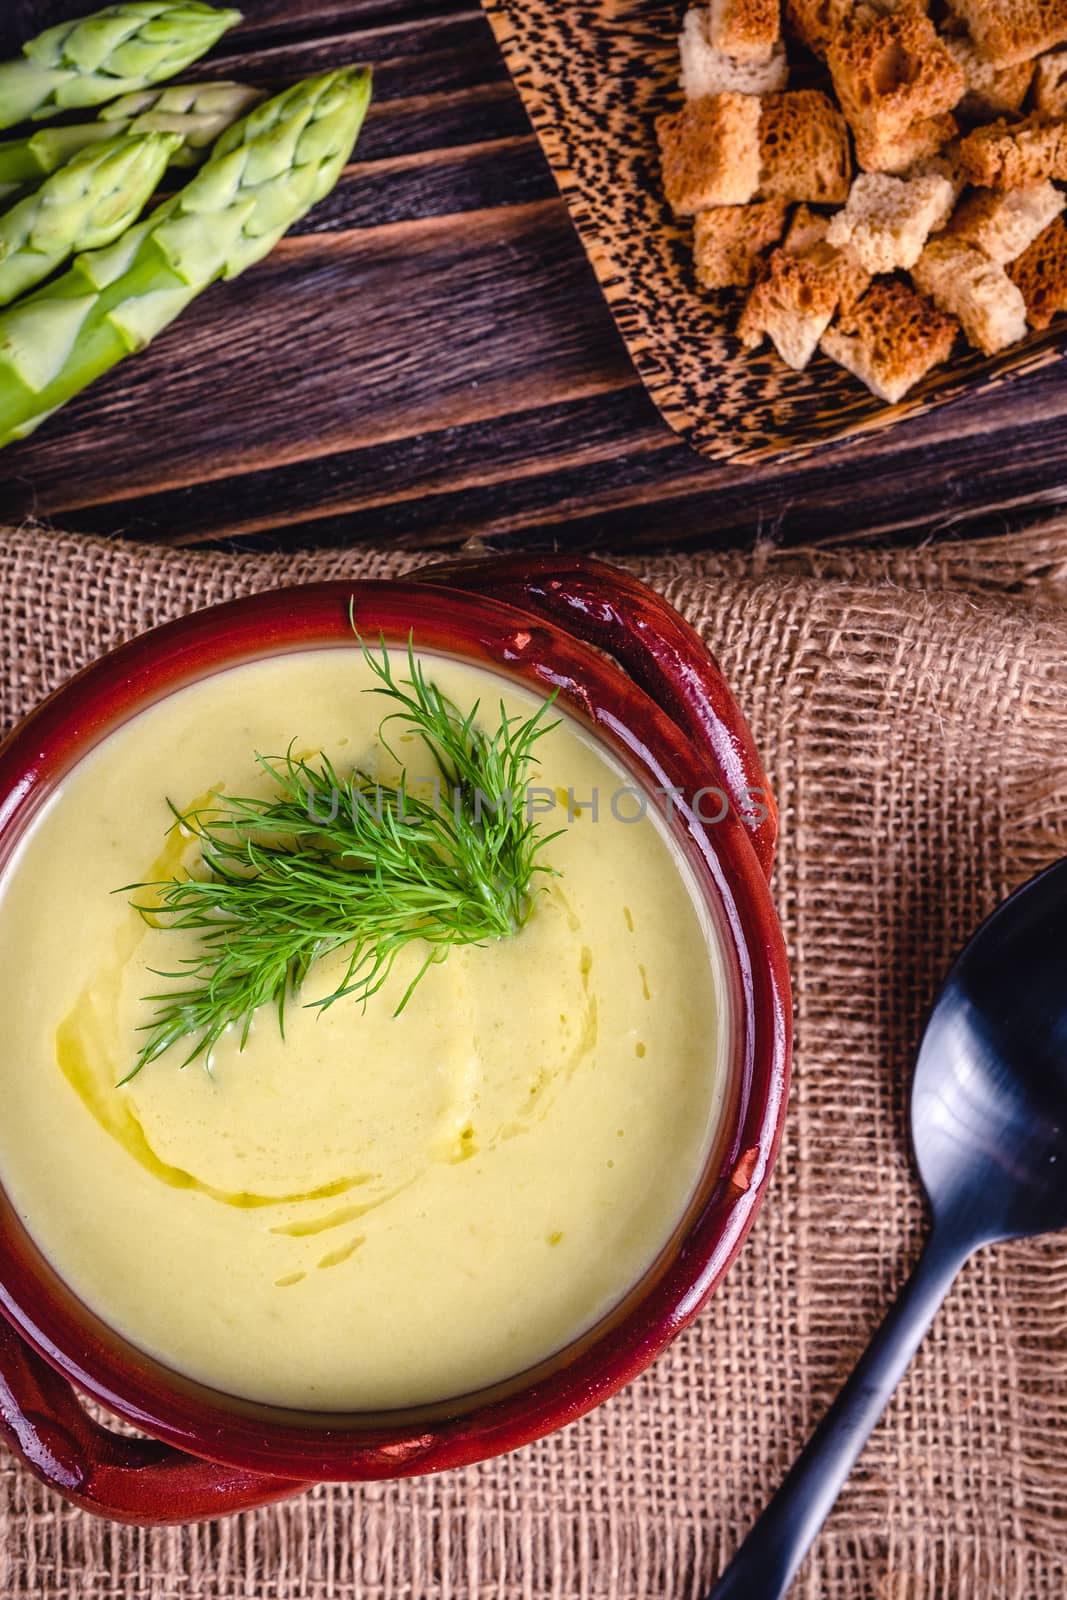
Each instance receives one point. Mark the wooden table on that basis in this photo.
(428, 359)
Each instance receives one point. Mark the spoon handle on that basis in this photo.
(767, 1562)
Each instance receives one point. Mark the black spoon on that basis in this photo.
(989, 1131)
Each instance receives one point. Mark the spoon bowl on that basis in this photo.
(989, 1099)
(989, 1133)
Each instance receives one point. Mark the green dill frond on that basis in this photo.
(331, 863)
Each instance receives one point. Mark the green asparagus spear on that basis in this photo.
(121, 48)
(200, 112)
(24, 162)
(85, 205)
(261, 177)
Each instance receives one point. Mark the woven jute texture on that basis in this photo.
(912, 707)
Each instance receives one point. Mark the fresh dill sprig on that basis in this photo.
(348, 863)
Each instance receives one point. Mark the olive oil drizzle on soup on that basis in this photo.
(380, 1210)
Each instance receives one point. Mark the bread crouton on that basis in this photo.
(1008, 31)
(806, 230)
(1002, 226)
(711, 152)
(946, 163)
(891, 339)
(709, 70)
(991, 90)
(806, 236)
(890, 73)
(1041, 274)
(814, 22)
(748, 30)
(792, 304)
(900, 151)
(844, 270)
(887, 221)
(1013, 155)
(1050, 85)
(804, 148)
(798, 290)
(964, 283)
(728, 243)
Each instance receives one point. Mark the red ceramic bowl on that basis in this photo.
(627, 666)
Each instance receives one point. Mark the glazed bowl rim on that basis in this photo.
(305, 1445)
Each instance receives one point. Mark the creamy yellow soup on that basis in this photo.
(380, 1210)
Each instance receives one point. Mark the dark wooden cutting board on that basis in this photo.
(427, 358)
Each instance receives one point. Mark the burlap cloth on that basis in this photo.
(912, 707)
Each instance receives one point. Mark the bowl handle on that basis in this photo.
(110, 1474)
(657, 647)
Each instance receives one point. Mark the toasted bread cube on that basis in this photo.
(964, 283)
(991, 91)
(947, 164)
(799, 289)
(708, 70)
(814, 22)
(748, 30)
(805, 231)
(922, 142)
(1006, 32)
(890, 73)
(1013, 156)
(1041, 275)
(792, 304)
(728, 243)
(1002, 226)
(891, 339)
(844, 270)
(804, 149)
(1050, 85)
(887, 221)
(711, 152)
(806, 237)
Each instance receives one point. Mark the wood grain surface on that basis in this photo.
(427, 360)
